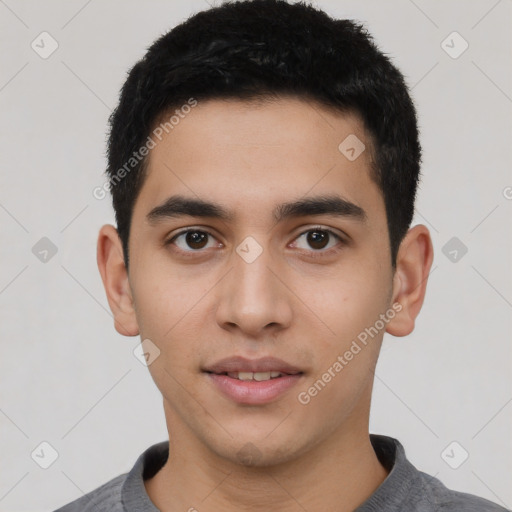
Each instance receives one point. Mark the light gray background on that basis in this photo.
(69, 379)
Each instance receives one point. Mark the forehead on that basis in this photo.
(260, 155)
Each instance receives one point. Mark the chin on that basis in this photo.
(260, 453)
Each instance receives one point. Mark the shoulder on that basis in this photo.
(406, 488)
(105, 498)
(443, 499)
(126, 491)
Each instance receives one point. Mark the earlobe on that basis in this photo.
(115, 281)
(413, 264)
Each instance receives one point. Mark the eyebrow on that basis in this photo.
(179, 206)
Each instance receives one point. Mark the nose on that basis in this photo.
(254, 297)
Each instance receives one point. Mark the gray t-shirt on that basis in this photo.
(404, 490)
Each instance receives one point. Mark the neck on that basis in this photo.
(338, 474)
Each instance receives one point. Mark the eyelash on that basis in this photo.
(314, 253)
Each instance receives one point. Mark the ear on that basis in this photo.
(413, 263)
(115, 280)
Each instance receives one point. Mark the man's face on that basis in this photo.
(253, 287)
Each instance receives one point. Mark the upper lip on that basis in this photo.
(241, 364)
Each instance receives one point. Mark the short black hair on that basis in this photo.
(262, 49)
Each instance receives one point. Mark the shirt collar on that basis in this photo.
(389, 496)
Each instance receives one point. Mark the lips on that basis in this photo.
(243, 365)
(253, 381)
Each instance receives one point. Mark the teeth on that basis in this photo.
(262, 376)
(257, 376)
(245, 375)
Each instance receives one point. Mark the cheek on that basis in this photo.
(350, 302)
(169, 315)
(166, 298)
(346, 359)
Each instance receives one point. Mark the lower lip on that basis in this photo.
(253, 392)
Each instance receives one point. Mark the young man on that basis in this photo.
(263, 162)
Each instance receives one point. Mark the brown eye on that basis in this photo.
(318, 240)
(196, 239)
(191, 240)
